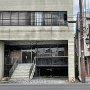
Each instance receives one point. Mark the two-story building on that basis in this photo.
(37, 28)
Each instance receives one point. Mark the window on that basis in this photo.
(6, 18)
(55, 18)
(23, 18)
(32, 18)
(47, 18)
(38, 18)
(0, 18)
(60, 51)
(63, 18)
(14, 18)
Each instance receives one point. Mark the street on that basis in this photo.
(46, 87)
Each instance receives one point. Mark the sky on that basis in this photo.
(76, 6)
(76, 9)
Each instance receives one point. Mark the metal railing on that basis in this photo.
(31, 72)
(13, 68)
(52, 61)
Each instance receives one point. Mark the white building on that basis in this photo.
(37, 28)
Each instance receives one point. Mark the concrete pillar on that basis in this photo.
(1, 59)
(71, 62)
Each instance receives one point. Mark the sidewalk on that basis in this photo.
(42, 81)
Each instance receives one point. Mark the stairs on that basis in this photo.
(22, 73)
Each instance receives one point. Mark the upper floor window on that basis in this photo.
(44, 18)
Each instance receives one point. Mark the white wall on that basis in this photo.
(40, 32)
(36, 32)
(1, 59)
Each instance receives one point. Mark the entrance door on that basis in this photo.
(28, 56)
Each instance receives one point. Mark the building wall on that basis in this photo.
(15, 55)
(36, 32)
(71, 62)
(1, 59)
(41, 32)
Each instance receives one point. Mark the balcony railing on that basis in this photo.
(52, 61)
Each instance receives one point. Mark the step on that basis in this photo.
(21, 73)
(18, 76)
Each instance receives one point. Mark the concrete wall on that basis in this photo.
(36, 32)
(71, 62)
(40, 5)
(41, 32)
(1, 59)
(33, 5)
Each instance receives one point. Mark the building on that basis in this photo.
(37, 28)
(86, 28)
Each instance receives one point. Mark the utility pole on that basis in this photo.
(82, 61)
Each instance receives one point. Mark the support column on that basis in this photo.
(1, 59)
(71, 62)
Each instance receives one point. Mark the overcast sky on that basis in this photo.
(76, 6)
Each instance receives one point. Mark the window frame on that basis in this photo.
(30, 21)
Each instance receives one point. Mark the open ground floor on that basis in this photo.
(53, 58)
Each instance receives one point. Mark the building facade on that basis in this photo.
(37, 28)
(86, 28)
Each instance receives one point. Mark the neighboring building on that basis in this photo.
(37, 28)
(86, 28)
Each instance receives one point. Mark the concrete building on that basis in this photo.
(86, 28)
(37, 29)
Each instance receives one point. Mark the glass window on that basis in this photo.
(14, 18)
(6, 18)
(22, 15)
(6, 15)
(40, 50)
(47, 18)
(54, 50)
(38, 18)
(63, 18)
(48, 50)
(33, 18)
(60, 51)
(23, 18)
(55, 18)
(0, 18)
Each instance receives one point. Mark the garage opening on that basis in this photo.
(52, 71)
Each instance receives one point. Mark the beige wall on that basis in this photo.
(1, 59)
(71, 62)
(36, 32)
(33, 5)
(41, 32)
(15, 55)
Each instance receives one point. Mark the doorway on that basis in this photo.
(28, 56)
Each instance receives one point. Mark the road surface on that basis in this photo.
(46, 87)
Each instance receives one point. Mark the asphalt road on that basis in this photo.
(46, 87)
